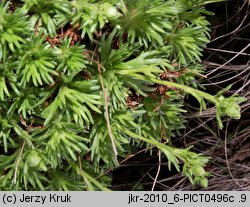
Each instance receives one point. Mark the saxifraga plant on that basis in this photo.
(83, 81)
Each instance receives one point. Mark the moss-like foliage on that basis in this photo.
(84, 81)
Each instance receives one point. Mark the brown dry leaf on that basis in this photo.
(242, 154)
